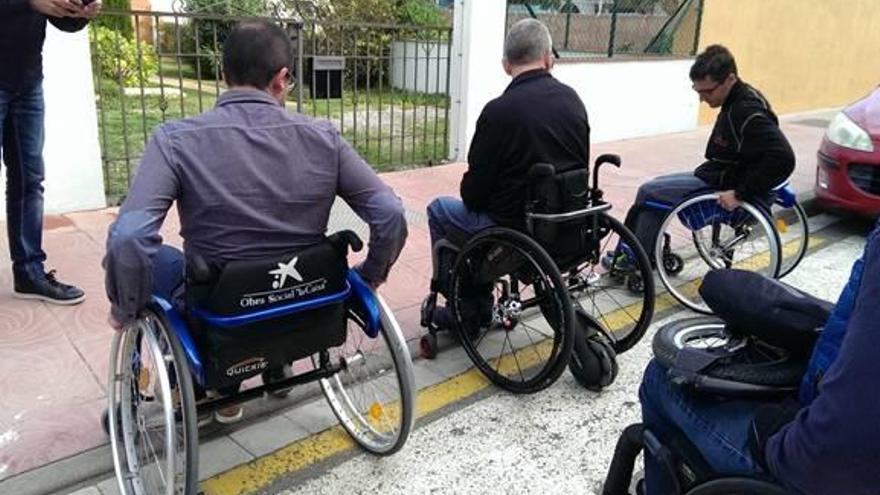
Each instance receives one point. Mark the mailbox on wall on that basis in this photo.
(326, 80)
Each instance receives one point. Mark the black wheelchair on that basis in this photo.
(246, 318)
(704, 356)
(698, 235)
(522, 301)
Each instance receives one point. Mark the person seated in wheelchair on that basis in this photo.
(825, 441)
(746, 157)
(250, 181)
(536, 120)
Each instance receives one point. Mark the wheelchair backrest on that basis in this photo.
(550, 193)
(251, 315)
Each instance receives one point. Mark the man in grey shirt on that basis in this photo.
(251, 180)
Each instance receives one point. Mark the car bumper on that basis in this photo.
(835, 187)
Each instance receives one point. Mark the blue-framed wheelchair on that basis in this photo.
(242, 319)
(528, 302)
(706, 357)
(698, 235)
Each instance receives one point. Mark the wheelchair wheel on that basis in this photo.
(373, 396)
(614, 283)
(744, 359)
(706, 237)
(512, 310)
(794, 234)
(152, 413)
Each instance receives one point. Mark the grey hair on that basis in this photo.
(527, 41)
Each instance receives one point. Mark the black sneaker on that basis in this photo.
(48, 289)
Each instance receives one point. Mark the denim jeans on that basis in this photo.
(21, 127)
(654, 200)
(168, 275)
(718, 428)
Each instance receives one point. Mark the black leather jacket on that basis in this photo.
(747, 151)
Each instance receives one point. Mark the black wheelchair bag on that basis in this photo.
(552, 192)
(752, 304)
(220, 295)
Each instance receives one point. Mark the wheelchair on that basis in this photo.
(704, 356)
(527, 303)
(242, 319)
(699, 235)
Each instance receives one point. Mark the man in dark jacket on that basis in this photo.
(746, 156)
(22, 31)
(536, 120)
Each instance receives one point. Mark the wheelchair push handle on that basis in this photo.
(345, 239)
(601, 160)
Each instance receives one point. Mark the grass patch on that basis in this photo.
(391, 129)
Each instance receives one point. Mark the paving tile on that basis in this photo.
(268, 436)
(219, 455)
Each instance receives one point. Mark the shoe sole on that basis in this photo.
(228, 420)
(40, 297)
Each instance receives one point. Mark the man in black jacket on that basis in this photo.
(536, 120)
(747, 154)
(22, 31)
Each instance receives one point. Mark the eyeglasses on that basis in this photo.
(707, 91)
(291, 80)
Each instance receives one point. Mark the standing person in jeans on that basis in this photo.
(536, 120)
(250, 180)
(22, 31)
(746, 157)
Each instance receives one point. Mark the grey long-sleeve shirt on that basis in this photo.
(251, 180)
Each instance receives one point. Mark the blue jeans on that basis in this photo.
(169, 266)
(21, 127)
(654, 200)
(718, 428)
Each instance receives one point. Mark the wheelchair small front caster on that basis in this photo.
(428, 346)
(635, 284)
(672, 263)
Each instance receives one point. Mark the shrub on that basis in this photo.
(119, 60)
(120, 23)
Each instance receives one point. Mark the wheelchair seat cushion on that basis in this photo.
(755, 305)
(252, 315)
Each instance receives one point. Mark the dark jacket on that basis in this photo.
(747, 151)
(22, 31)
(537, 119)
(833, 445)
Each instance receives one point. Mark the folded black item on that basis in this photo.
(778, 314)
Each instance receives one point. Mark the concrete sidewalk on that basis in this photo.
(53, 360)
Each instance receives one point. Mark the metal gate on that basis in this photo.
(385, 87)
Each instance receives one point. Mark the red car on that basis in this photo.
(848, 172)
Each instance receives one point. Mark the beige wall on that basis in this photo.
(802, 54)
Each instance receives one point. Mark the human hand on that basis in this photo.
(728, 201)
(92, 9)
(58, 8)
(114, 323)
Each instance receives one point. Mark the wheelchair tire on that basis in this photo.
(373, 396)
(793, 227)
(502, 283)
(593, 364)
(609, 293)
(746, 361)
(137, 416)
(707, 237)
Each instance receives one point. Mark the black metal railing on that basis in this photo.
(385, 86)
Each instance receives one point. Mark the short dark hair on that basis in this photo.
(254, 52)
(716, 62)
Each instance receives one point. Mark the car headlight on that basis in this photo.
(844, 132)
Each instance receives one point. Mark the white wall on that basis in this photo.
(629, 99)
(624, 99)
(419, 66)
(74, 178)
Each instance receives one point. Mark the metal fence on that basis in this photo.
(608, 28)
(386, 87)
